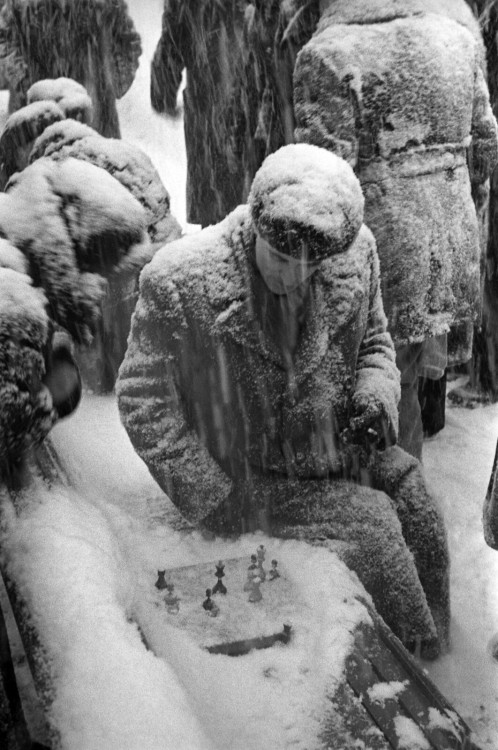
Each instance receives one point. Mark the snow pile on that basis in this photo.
(87, 563)
(110, 692)
(410, 737)
(384, 691)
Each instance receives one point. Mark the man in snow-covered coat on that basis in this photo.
(255, 344)
(396, 87)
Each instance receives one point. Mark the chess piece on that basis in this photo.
(211, 608)
(273, 573)
(261, 551)
(171, 600)
(255, 594)
(251, 573)
(219, 587)
(161, 581)
(254, 562)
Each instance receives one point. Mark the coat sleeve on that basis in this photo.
(325, 102)
(153, 411)
(483, 155)
(377, 376)
(169, 58)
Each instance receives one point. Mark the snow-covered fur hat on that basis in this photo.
(76, 225)
(25, 417)
(303, 193)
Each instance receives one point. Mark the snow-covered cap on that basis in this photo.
(306, 194)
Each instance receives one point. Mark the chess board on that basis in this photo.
(240, 624)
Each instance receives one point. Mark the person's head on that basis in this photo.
(307, 205)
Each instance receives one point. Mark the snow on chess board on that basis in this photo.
(238, 618)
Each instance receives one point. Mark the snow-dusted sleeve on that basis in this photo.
(483, 154)
(377, 377)
(153, 410)
(325, 98)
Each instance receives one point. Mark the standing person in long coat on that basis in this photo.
(258, 349)
(205, 38)
(397, 89)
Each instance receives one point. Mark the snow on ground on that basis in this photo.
(458, 463)
(113, 530)
(86, 559)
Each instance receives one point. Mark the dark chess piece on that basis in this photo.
(254, 562)
(161, 581)
(219, 587)
(208, 604)
(273, 572)
(171, 600)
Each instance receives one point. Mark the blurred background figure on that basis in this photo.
(206, 39)
(93, 42)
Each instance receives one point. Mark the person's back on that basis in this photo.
(398, 90)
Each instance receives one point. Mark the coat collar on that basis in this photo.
(239, 321)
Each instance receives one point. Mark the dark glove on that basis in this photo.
(369, 423)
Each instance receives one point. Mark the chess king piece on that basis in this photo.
(220, 588)
(261, 552)
(161, 581)
(171, 600)
(255, 594)
(211, 608)
(273, 572)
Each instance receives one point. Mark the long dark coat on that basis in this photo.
(205, 38)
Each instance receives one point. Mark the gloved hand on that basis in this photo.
(369, 423)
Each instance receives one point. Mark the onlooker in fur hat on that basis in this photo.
(396, 87)
(92, 41)
(39, 380)
(258, 350)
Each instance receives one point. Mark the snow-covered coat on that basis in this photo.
(205, 397)
(236, 442)
(396, 87)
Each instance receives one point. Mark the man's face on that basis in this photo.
(281, 273)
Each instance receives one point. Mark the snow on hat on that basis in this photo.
(304, 193)
(68, 94)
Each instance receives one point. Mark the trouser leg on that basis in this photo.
(316, 510)
(400, 476)
(411, 434)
